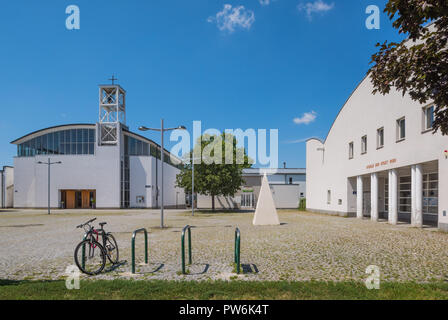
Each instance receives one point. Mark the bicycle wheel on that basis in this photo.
(111, 249)
(90, 257)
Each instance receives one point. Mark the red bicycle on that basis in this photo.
(90, 254)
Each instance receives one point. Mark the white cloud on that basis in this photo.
(229, 19)
(264, 2)
(318, 6)
(306, 118)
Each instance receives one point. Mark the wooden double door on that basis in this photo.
(78, 199)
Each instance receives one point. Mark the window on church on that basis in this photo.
(380, 138)
(428, 118)
(401, 129)
(65, 142)
(364, 145)
(137, 147)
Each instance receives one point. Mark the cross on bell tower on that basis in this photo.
(112, 111)
(113, 79)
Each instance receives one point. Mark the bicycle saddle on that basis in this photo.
(102, 224)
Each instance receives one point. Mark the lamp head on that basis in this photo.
(143, 128)
(182, 128)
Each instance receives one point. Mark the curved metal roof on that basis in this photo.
(49, 129)
(40, 132)
(340, 110)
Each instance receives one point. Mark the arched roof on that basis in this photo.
(41, 132)
(51, 129)
(340, 110)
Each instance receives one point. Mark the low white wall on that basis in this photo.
(286, 196)
(143, 183)
(100, 172)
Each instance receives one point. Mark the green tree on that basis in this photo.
(214, 174)
(418, 65)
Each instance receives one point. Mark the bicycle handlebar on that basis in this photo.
(82, 225)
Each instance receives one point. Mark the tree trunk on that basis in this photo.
(213, 202)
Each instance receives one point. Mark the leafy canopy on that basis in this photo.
(417, 66)
(211, 177)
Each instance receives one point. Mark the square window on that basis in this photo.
(380, 138)
(364, 145)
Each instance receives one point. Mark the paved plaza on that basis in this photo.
(304, 247)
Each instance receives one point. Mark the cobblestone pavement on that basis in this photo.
(306, 246)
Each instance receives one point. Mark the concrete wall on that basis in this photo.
(221, 202)
(140, 181)
(143, 183)
(362, 115)
(284, 178)
(7, 187)
(100, 172)
(2, 190)
(286, 196)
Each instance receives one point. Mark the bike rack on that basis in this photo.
(134, 234)
(237, 249)
(83, 259)
(187, 227)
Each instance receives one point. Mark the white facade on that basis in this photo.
(288, 186)
(7, 187)
(116, 171)
(146, 180)
(369, 166)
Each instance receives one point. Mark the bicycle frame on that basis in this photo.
(92, 235)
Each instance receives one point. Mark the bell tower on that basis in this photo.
(112, 112)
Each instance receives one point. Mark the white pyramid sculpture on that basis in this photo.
(266, 213)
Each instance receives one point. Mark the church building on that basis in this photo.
(381, 160)
(94, 165)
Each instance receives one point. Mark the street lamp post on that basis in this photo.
(192, 184)
(49, 163)
(162, 129)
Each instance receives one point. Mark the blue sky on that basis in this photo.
(259, 66)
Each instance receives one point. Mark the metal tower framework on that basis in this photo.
(112, 112)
